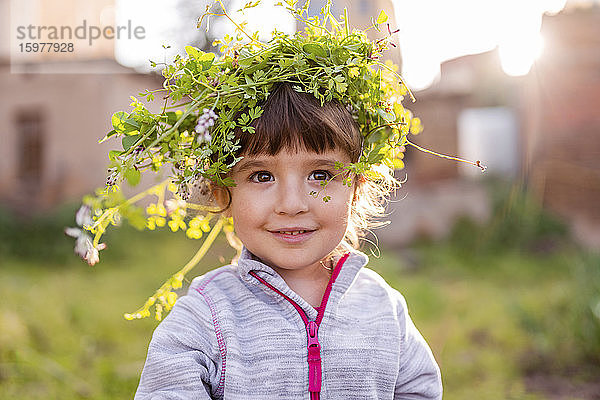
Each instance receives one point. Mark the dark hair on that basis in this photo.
(297, 120)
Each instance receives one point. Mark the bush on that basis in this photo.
(38, 237)
(523, 243)
(519, 222)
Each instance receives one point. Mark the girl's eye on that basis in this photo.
(261, 176)
(320, 175)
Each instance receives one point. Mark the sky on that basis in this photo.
(460, 27)
(431, 31)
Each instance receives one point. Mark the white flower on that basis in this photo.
(200, 128)
(83, 217)
(205, 121)
(92, 256)
(174, 205)
(84, 247)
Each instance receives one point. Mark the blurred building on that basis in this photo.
(542, 129)
(54, 107)
(561, 102)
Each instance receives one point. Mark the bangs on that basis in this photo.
(294, 121)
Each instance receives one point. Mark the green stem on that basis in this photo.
(111, 211)
(203, 249)
(346, 23)
(167, 286)
(226, 14)
(475, 163)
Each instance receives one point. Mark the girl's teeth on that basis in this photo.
(292, 232)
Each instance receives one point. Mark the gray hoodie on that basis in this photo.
(242, 333)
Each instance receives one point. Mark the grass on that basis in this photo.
(495, 315)
(495, 323)
(62, 334)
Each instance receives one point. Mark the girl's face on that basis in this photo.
(275, 216)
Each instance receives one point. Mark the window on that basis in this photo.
(489, 134)
(30, 152)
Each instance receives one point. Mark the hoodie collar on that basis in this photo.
(349, 270)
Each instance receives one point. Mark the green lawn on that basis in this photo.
(504, 322)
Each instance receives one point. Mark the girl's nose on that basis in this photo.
(293, 199)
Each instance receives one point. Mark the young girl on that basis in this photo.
(299, 316)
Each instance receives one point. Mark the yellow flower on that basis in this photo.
(176, 281)
(176, 223)
(171, 298)
(193, 233)
(205, 225)
(195, 223)
(415, 126)
(157, 160)
(228, 227)
(150, 224)
(172, 187)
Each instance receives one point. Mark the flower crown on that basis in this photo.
(217, 95)
(207, 98)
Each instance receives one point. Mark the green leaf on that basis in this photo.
(124, 124)
(315, 49)
(233, 101)
(340, 55)
(245, 58)
(375, 158)
(192, 51)
(382, 17)
(255, 112)
(256, 67)
(206, 60)
(113, 154)
(228, 181)
(129, 141)
(243, 119)
(108, 135)
(285, 62)
(388, 117)
(133, 176)
(375, 137)
(118, 120)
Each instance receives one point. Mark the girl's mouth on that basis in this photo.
(293, 235)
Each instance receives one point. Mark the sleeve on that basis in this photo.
(183, 355)
(419, 376)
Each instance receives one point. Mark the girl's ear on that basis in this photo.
(359, 180)
(222, 197)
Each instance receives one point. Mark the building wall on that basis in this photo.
(73, 112)
(556, 106)
(561, 100)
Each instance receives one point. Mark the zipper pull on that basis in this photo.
(314, 357)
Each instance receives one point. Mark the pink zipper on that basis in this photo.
(312, 329)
